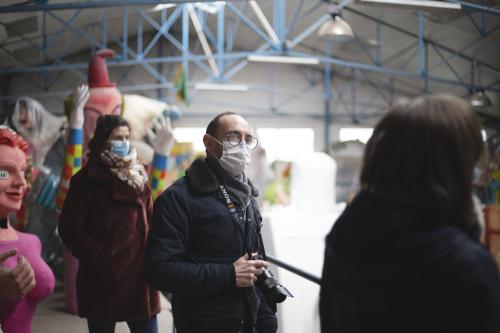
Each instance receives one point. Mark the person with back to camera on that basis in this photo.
(405, 255)
(104, 223)
(25, 279)
(204, 235)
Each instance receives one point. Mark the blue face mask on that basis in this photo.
(120, 148)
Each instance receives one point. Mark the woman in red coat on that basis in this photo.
(104, 223)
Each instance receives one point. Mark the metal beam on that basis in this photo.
(88, 5)
(409, 33)
(250, 24)
(486, 9)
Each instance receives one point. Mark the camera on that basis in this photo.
(274, 292)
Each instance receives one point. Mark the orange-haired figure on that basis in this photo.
(16, 312)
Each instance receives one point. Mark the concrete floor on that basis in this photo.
(50, 316)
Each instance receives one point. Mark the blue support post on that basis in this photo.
(160, 67)
(163, 14)
(125, 34)
(44, 52)
(104, 28)
(391, 99)
(185, 39)
(327, 95)
(229, 40)
(220, 42)
(421, 51)
(426, 73)
(354, 84)
(378, 56)
(279, 6)
(484, 23)
(472, 86)
(139, 56)
(272, 76)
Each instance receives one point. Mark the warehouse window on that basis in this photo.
(191, 134)
(355, 133)
(286, 143)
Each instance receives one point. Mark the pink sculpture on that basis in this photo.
(16, 313)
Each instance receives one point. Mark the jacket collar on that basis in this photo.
(203, 179)
(119, 190)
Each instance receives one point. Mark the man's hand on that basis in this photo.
(162, 138)
(247, 271)
(78, 100)
(18, 281)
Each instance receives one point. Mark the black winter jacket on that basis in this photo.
(191, 248)
(393, 269)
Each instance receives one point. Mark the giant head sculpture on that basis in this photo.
(13, 166)
(104, 96)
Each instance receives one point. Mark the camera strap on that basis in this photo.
(237, 218)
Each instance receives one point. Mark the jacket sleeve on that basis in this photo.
(168, 266)
(71, 222)
(267, 322)
(326, 306)
(266, 318)
(471, 286)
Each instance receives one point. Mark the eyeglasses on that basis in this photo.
(234, 139)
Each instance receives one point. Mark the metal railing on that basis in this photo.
(292, 269)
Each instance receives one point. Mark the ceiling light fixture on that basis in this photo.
(415, 4)
(480, 100)
(336, 29)
(221, 86)
(162, 6)
(284, 59)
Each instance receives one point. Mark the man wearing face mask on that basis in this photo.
(205, 239)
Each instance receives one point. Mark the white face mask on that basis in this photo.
(234, 159)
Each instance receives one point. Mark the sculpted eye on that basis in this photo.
(4, 174)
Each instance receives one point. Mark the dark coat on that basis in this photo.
(191, 249)
(390, 268)
(104, 223)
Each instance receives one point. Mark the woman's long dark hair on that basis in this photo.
(422, 153)
(104, 126)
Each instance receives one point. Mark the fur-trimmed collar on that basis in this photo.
(201, 178)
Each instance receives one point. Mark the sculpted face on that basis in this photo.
(101, 101)
(12, 181)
